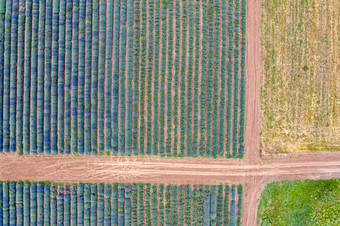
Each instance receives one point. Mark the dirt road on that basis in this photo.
(106, 169)
(253, 81)
(161, 170)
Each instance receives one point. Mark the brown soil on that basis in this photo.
(253, 75)
(96, 169)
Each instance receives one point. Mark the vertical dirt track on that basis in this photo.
(253, 75)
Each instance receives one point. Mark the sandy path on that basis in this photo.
(253, 75)
(96, 169)
(161, 170)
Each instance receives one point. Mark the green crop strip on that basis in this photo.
(161, 78)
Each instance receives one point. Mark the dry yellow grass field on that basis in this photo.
(300, 91)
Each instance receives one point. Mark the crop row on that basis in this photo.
(119, 204)
(169, 76)
(123, 77)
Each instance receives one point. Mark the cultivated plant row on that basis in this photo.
(119, 204)
(161, 77)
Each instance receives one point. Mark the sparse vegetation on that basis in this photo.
(300, 83)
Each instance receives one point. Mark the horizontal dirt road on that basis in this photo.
(96, 169)
(147, 169)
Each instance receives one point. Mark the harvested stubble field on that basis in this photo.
(125, 77)
(300, 96)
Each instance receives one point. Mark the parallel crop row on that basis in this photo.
(183, 91)
(121, 76)
(189, 84)
(115, 77)
(161, 77)
(142, 74)
(216, 97)
(156, 48)
(135, 81)
(243, 77)
(223, 81)
(203, 80)
(122, 204)
(150, 78)
(129, 71)
(176, 76)
(236, 78)
(230, 74)
(169, 77)
(195, 143)
(210, 77)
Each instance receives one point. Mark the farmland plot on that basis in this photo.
(119, 204)
(300, 96)
(124, 77)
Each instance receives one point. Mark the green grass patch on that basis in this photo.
(309, 202)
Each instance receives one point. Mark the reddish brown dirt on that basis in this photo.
(253, 75)
(96, 169)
